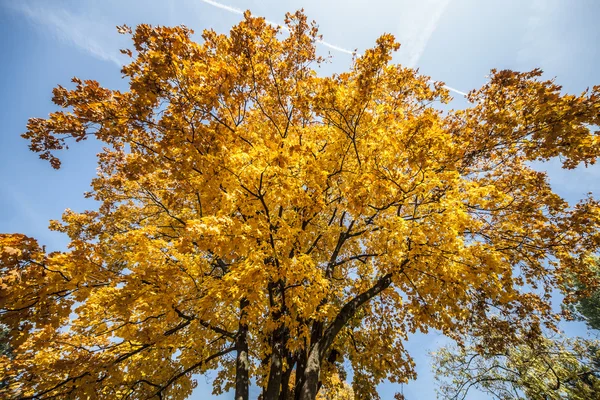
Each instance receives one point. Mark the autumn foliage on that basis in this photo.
(274, 225)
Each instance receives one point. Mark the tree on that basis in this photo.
(587, 307)
(4, 348)
(262, 221)
(544, 369)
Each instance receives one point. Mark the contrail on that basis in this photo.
(336, 48)
(224, 7)
(456, 91)
(451, 89)
(239, 11)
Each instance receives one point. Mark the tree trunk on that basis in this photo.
(242, 363)
(276, 370)
(312, 372)
(285, 382)
(300, 369)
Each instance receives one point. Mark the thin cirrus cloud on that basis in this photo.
(417, 26)
(77, 30)
(96, 38)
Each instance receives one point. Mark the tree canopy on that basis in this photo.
(268, 223)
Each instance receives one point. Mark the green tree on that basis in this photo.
(4, 345)
(542, 369)
(4, 351)
(587, 307)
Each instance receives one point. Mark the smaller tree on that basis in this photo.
(4, 350)
(587, 308)
(4, 346)
(540, 368)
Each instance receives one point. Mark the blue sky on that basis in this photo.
(45, 43)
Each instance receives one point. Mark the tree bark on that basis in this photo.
(276, 370)
(285, 393)
(242, 363)
(312, 372)
(300, 369)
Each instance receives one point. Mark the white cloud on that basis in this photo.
(80, 30)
